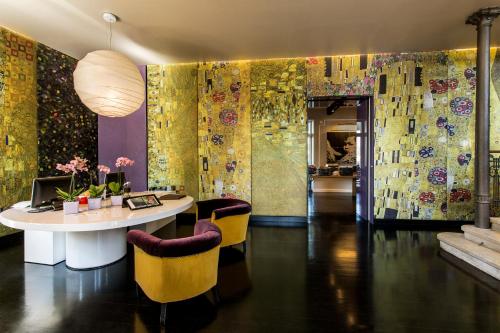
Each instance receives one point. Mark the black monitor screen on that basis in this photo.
(114, 177)
(44, 192)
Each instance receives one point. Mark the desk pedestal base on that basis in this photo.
(91, 249)
(44, 247)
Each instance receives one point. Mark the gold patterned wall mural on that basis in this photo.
(461, 123)
(172, 126)
(224, 141)
(343, 75)
(424, 126)
(406, 139)
(495, 99)
(279, 136)
(18, 118)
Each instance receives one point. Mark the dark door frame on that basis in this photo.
(367, 129)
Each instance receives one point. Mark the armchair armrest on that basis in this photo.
(206, 207)
(240, 209)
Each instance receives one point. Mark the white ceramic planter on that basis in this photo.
(71, 207)
(95, 203)
(116, 200)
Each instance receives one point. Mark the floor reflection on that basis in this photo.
(233, 281)
(337, 275)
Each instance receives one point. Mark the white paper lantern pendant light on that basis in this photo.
(108, 82)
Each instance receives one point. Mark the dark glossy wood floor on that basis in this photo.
(335, 276)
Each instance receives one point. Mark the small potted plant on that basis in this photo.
(104, 169)
(117, 187)
(95, 193)
(116, 193)
(71, 203)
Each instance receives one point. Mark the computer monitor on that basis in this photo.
(114, 177)
(43, 191)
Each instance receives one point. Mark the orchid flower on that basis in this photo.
(103, 168)
(123, 162)
(80, 163)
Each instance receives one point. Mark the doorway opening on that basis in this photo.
(340, 156)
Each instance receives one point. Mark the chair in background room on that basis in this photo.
(176, 269)
(230, 215)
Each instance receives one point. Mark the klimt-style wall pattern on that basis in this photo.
(42, 121)
(224, 130)
(279, 134)
(18, 148)
(424, 127)
(172, 126)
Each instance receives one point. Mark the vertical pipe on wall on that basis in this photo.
(482, 19)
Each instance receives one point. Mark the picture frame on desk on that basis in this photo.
(143, 201)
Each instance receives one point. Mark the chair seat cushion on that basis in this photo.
(207, 236)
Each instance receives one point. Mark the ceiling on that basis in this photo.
(165, 31)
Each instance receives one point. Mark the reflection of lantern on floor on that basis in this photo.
(233, 280)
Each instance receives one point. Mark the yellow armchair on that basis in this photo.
(230, 215)
(176, 269)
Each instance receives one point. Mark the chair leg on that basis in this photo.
(216, 294)
(163, 314)
(245, 248)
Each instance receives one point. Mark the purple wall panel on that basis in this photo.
(126, 136)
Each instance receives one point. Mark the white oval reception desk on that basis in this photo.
(89, 239)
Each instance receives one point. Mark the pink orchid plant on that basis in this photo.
(74, 166)
(121, 162)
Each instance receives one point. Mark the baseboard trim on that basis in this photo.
(329, 190)
(278, 221)
(419, 224)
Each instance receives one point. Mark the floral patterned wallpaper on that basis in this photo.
(66, 127)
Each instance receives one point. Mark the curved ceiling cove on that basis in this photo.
(158, 31)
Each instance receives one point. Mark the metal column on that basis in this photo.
(483, 20)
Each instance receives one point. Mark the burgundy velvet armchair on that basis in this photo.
(176, 269)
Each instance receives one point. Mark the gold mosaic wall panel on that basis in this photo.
(495, 100)
(461, 139)
(279, 134)
(495, 110)
(340, 75)
(424, 126)
(18, 118)
(172, 126)
(406, 137)
(224, 140)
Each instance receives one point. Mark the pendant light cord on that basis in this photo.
(110, 35)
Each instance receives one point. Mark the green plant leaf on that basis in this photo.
(96, 191)
(115, 188)
(68, 197)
